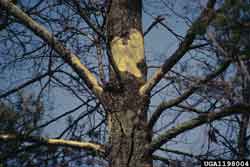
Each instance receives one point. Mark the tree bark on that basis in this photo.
(244, 122)
(126, 107)
(128, 131)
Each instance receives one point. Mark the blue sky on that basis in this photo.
(159, 44)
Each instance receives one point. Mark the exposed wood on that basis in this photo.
(54, 142)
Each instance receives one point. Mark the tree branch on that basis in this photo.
(162, 159)
(195, 122)
(55, 142)
(157, 20)
(65, 54)
(197, 28)
(168, 104)
(19, 87)
(85, 17)
(167, 150)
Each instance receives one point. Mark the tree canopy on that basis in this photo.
(124, 83)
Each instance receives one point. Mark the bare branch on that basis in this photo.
(65, 54)
(168, 104)
(197, 28)
(179, 152)
(195, 122)
(55, 142)
(100, 56)
(57, 118)
(27, 83)
(162, 159)
(157, 20)
(85, 17)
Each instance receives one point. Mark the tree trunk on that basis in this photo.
(128, 132)
(244, 122)
(126, 107)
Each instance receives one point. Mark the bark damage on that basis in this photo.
(126, 107)
(128, 52)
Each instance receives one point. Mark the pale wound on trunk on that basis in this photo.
(128, 52)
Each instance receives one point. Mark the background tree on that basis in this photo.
(130, 110)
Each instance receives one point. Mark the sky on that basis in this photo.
(159, 44)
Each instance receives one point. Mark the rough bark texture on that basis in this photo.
(244, 122)
(126, 101)
(127, 109)
(125, 40)
(128, 132)
(122, 16)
